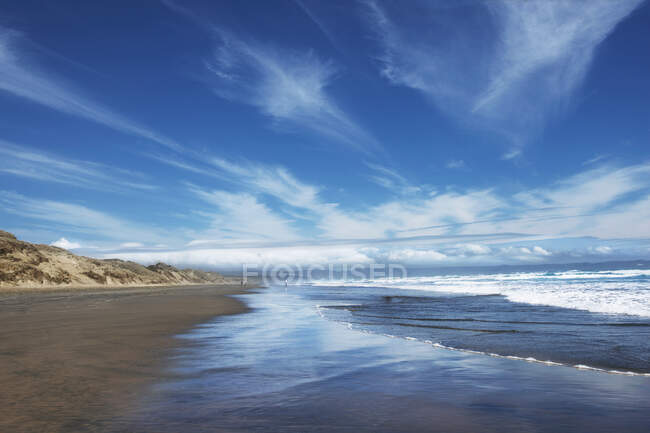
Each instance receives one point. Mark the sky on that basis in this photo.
(433, 133)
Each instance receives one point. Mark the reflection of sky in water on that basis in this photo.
(283, 344)
(284, 368)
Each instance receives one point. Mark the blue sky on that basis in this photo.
(217, 133)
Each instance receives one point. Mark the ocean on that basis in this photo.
(585, 316)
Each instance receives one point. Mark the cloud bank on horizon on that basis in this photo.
(319, 149)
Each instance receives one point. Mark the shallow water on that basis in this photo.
(285, 368)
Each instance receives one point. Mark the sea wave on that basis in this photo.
(610, 292)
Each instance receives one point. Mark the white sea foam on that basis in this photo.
(611, 292)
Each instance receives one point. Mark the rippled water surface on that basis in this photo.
(590, 319)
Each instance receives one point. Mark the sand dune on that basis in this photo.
(27, 265)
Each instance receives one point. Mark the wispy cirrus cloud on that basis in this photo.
(604, 202)
(21, 77)
(591, 190)
(587, 203)
(455, 164)
(607, 201)
(25, 162)
(275, 181)
(77, 218)
(242, 217)
(595, 159)
(502, 65)
(443, 213)
(256, 179)
(330, 221)
(390, 179)
(288, 86)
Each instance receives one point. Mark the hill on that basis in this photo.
(23, 264)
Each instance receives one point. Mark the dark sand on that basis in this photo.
(70, 361)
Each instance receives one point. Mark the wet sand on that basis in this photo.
(71, 361)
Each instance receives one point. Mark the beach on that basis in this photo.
(70, 360)
(330, 357)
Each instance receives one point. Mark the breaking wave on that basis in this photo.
(610, 292)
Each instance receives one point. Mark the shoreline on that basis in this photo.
(72, 359)
(531, 360)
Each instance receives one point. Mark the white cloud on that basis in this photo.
(272, 180)
(605, 202)
(438, 213)
(235, 257)
(512, 154)
(629, 220)
(241, 217)
(66, 244)
(602, 250)
(506, 66)
(275, 217)
(524, 254)
(455, 163)
(329, 219)
(292, 256)
(77, 218)
(471, 249)
(415, 257)
(22, 78)
(540, 251)
(392, 180)
(584, 204)
(590, 190)
(39, 165)
(131, 245)
(286, 86)
(324, 255)
(595, 159)
(352, 254)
